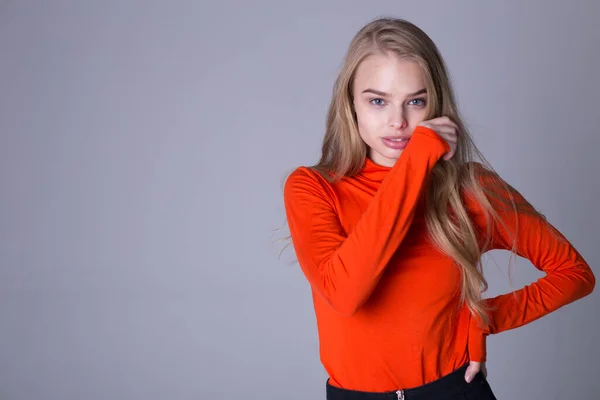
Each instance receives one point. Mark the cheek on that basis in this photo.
(417, 115)
(369, 121)
(362, 120)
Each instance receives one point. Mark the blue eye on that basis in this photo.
(377, 102)
(422, 102)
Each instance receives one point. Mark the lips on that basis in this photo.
(398, 137)
(395, 142)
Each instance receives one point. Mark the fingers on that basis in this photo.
(440, 121)
(447, 129)
(472, 370)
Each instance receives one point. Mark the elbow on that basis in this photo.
(343, 293)
(344, 304)
(586, 282)
(339, 292)
(590, 282)
(345, 309)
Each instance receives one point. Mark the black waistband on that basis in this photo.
(449, 384)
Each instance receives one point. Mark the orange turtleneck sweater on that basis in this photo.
(387, 301)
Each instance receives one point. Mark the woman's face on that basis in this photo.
(390, 100)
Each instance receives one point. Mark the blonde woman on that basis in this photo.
(390, 225)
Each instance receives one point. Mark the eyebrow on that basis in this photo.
(384, 94)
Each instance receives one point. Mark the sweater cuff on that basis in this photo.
(476, 345)
(440, 143)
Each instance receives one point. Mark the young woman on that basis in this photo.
(390, 225)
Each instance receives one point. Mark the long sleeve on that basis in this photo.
(344, 269)
(568, 276)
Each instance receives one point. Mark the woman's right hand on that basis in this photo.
(447, 129)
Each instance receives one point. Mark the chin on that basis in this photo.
(390, 153)
(386, 155)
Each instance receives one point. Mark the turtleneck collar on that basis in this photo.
(373, 171)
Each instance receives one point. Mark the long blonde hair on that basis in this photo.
(449, 225)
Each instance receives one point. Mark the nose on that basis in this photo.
(398, 119)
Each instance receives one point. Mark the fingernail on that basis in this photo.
(469, 376)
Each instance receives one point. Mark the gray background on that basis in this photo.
(142, 151)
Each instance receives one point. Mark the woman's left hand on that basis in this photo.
(473, 368)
